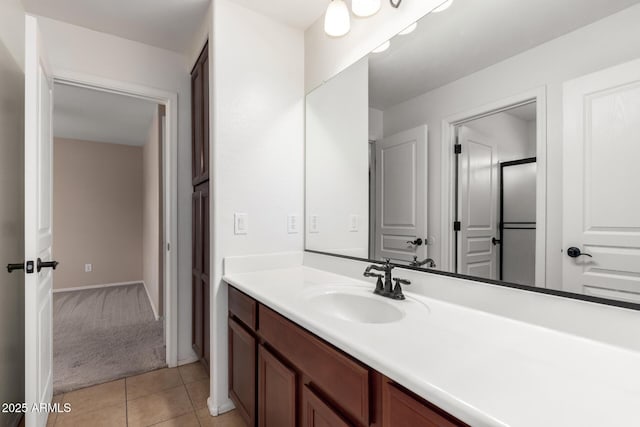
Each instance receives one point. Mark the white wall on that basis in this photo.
(337, 182)
(611, 41)
(151, 214)
(79, 50)
(257, 152)
(511, 135)
(11, 205)
(326, 56)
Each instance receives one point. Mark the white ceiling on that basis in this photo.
(92, 115)
(472, 35)
(296, 13)
(169, 24)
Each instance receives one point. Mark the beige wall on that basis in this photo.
(151, 214)
(97, 213)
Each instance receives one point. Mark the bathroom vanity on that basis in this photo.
(307, 345)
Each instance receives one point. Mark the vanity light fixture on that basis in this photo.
(337, 21)
(384, 46)
(365, 8)
(444, 6)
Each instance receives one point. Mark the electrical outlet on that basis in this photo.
(88, 268)
(240, 223)
(314, 224)
(292, 224)
(353, 223)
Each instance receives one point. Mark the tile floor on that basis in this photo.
(167, 397)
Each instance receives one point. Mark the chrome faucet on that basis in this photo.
(387, 289)
(428, 262)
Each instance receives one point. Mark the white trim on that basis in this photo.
(170, 186)
(187, 361)
(447, 202)
(98, 286)
(226, 406)
(153, 307)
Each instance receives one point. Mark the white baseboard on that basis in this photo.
(153, 307)
(105, 285)
(191, 359)
(221, 409)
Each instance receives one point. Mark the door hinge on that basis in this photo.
(456, 226)
(457, 149)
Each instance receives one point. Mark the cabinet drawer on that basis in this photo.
(243, 307)
(401, 409)
(344, 381)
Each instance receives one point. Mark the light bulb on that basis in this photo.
(337, 21)
(444, 6)
(364, 8)
(410, 29)
(384, 46)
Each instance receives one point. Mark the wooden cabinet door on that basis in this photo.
(200, 119)
(197, 315)
(400, 409)
(276, 392)
(242, 371)
(316, 413)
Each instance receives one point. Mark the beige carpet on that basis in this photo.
(104, 334)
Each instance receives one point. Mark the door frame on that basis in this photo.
(448, 174)
(169, 186)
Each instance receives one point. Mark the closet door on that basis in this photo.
(200, 119)
(197, 314)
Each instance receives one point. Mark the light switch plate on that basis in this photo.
(292, 224)
(240, 223)
(314, 226)
(354, 223)
(88, 268)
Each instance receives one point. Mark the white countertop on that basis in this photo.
(484, 369)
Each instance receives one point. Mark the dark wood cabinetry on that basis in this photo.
(290, 377)
(200, 207)
(200, 119)
(276, 391)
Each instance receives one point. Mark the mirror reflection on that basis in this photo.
(496, 139)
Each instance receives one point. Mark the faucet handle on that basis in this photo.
(397, 289)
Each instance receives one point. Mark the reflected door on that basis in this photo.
(602, 183)
(401, 196)
(478, 204)
(37, 222)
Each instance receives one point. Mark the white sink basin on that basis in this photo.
(357, 306)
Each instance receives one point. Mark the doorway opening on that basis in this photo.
(497, 193)
(108, 220)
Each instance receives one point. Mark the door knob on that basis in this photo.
(495, 241)
(574, 252)
(417, 242)
(46, 264)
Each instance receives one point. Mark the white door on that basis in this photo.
(478, 204)
(38, 187)
(602, 183)
(401, 196)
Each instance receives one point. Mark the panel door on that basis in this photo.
(242, 371)
(478, 204)
(602, 183)
(197, 314)
(316, 413)
(38, 179)
(401, 195)
(200, 119)
(276, 392)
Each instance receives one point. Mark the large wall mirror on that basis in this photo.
(497, 139)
